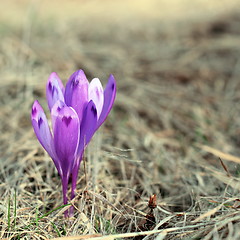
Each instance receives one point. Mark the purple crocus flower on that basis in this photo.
(77, 111)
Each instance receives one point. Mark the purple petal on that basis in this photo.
(55, 111)
(76, 93)
(41, 128)
(66, 138)
(54, 90)
(109, 97)
(95, 93)
(88, 125)
(43, 133)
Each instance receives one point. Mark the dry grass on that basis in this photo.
(176, 112)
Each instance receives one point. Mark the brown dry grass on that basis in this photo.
(176, 112)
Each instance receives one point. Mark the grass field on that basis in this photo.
(174, 130)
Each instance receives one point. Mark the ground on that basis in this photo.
(172, 136)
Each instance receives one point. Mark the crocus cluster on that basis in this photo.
(77, 111)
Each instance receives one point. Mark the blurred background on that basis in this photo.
(177, 68)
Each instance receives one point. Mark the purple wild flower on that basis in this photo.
(77, 111)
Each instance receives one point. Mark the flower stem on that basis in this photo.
(74, 185)
(64, 192)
